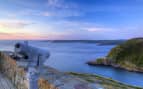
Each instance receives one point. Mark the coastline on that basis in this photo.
(107, 83)
(106, 62)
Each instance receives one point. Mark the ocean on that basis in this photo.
(72, 57)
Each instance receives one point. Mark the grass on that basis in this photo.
(128, 55)
(107, 83)
(131, 51)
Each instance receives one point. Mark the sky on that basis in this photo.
(71, 19)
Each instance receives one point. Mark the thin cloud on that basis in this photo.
(46, 14)
(94, 29)
(56, 8)
(61, 4)
(5, 36)
(14, 24)
(97, 29)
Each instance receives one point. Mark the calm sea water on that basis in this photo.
(73, 57)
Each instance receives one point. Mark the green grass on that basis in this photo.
(130, 51)
(107, 83)
(128, 55)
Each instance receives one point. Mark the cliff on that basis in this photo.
(128, 55)
(50, 78)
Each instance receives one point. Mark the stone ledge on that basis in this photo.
(50, 78)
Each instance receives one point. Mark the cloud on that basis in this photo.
(14, 23)
(60, 14)
(94, 29)
(27, 12)
(77, 26)
(32, 36)
(53, 2)
(48, 8)
(97, 29)
(3, 34)
(19, 36)
(46, 14)
(62, 8)
(61, 4)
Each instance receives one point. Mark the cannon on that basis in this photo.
(32, 55)
(31, 58)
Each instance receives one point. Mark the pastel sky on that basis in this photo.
(71, 19)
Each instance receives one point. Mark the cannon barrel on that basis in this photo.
(34, 55)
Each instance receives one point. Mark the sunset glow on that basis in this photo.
(75, 19)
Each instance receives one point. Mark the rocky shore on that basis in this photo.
(106, 83)
(127, 55)
(105, 62)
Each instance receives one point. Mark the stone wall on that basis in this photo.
(49, 78)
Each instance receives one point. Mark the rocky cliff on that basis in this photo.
(50, 78)
(128, 55)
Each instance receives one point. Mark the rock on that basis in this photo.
(126, 56)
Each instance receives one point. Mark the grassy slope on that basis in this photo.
(107, 83)
(128, 55)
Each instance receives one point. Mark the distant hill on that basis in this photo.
(128, 55)
(99, 42)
